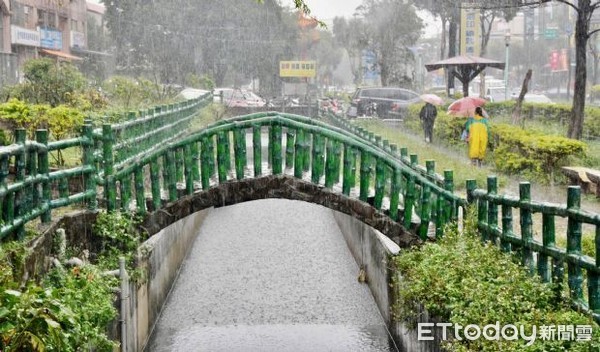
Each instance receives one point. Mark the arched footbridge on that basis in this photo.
(152, 164)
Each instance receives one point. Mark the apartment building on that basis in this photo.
(47, 28)
(8, 61)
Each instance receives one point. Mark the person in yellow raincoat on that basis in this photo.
(478, 130)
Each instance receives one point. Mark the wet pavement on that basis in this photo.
(270, 275)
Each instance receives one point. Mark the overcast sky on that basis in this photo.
(328, 9)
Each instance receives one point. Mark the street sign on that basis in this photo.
(551, 33)
(298, 69)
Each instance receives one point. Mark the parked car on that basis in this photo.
(535, 98)
(233, 97)
(382, 102)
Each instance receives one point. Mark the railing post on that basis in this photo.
(276, 148)
(171, 175)
(414, 160)
(188, 169)
(331, 162)
(471, 186)
(196, 161)
(450, 212)
(289, 148)
(140, 197)
(409, 201)
(594, 279)
(155, 183)
(379, 183)
(349, 174)
(222, 160)
(507, 228)
(403, 153)
(179, 164)
(205, 155)
(365, 175)
(32, 197)
(125, 183)
(395, 194)
(318, 158)
(41, 136)
(239, 146)
(257, 150)
(575, 277)
(88, 160)
(548, 238)
(526, 225)
(299, 157)
(110, 191)
(492, 220)
(306, 146)
(425, 211)
(20, 171)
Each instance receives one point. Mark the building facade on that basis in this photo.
(40, 28)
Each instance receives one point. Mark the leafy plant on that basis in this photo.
(516, 150)
(48, 82)
(68, 312)
(462, 281)
(119, 238)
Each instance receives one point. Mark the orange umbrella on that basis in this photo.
(465, 106)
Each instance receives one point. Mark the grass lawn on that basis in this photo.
(446, 158)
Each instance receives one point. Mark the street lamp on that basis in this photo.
(507, 45)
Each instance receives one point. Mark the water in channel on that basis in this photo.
(270, 275)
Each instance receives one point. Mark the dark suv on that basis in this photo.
(385, 102)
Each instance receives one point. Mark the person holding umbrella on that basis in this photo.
(428, 114)
(478, 130)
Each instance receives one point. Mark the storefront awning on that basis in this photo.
(60, 54)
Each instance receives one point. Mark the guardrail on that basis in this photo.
(27, 194)
(30, 190)
(327, 155)
(346, 159)
(543, 258)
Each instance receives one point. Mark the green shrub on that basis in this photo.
(517, 150)
(69, 312)
(462, 281)
(119, 237)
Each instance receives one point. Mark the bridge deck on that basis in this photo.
(259, 279)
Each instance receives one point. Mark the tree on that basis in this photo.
(225, 40)
(584, 9)
(50, 82)
(351, 35)
(392, 27)
(387, 28)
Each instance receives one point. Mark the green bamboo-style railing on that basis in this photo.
(543, 258)
(27, 184)
(146, 162)
(495, 222)
(146, 129)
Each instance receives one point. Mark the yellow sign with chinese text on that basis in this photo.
(298, 69)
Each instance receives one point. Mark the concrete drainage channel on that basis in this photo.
(373, 251)
(370, 249)
(161, 257)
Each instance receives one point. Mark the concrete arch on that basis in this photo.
(282, 187)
